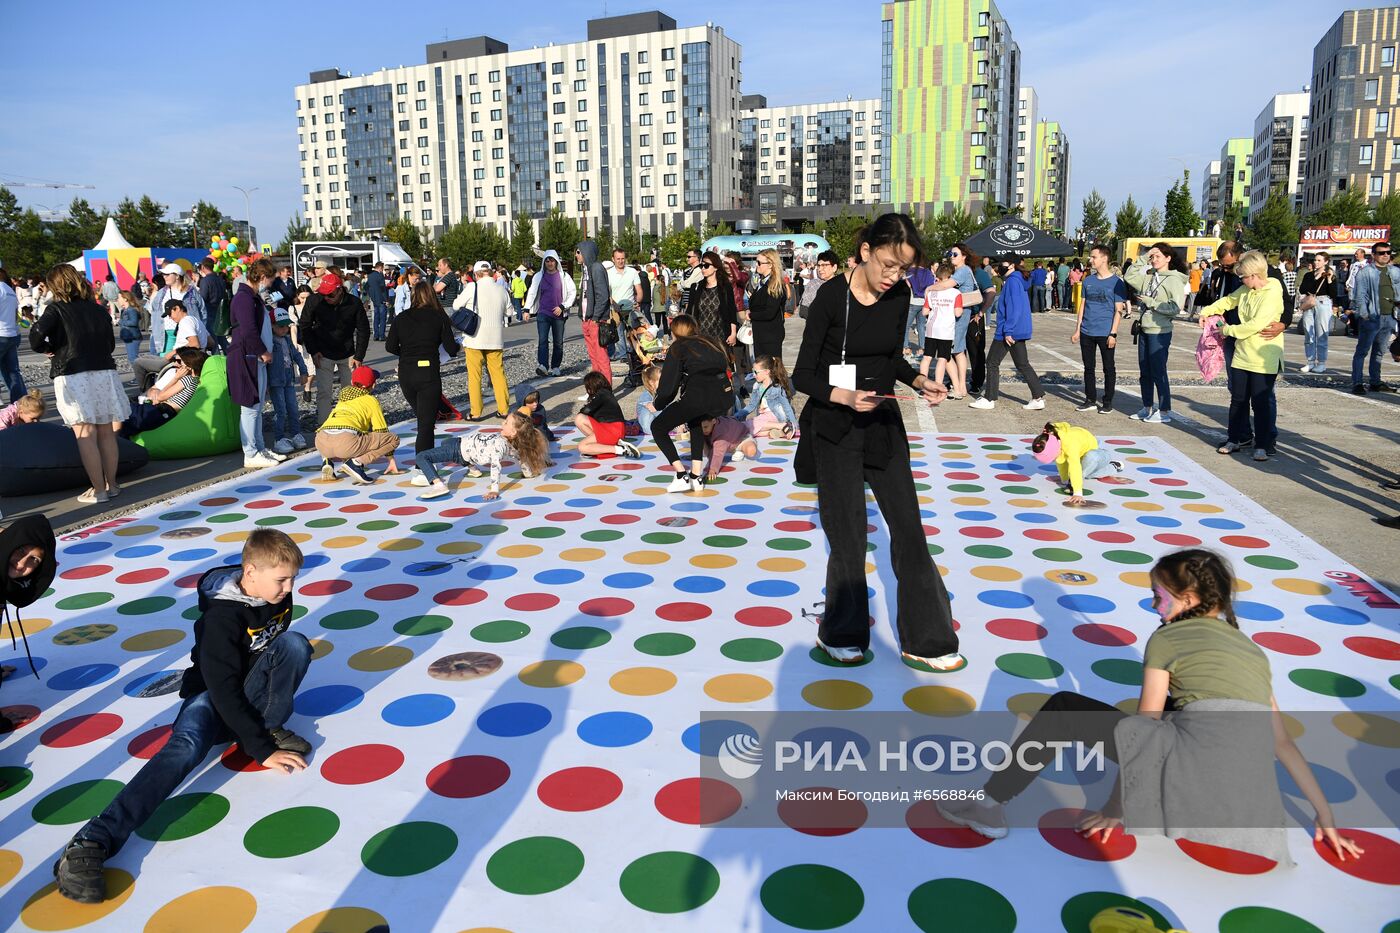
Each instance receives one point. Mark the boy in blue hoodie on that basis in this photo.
(246, 669)
(1012, 336)
(285, 374)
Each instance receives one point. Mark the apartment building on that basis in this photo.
(1280, 149)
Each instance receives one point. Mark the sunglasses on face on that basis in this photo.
(1382, 252)
(707, 265)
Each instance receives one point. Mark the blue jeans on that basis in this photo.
(1317, 326)
(9, 368)
(519, 308)
(447, 451)
(1152, 370)
(1095, 463)
(550, 327)
(381, 319)
(1253, 391)
(1373, 338)
(250, 421)
(644, 419)
(270, 685)
(286, 415)
(1037, 298)
(133, 350)
(916, 324)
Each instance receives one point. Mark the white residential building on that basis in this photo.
(1280, 149)
(1023, 192)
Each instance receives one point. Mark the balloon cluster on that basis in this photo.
(228, 256)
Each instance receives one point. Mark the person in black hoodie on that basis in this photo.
(29, 558)
(335, 331)
(696, 369)
(419, 337)
(246, 668)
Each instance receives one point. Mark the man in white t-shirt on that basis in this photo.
(189, 332)
(624, 283)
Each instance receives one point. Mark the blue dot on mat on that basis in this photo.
(975, 516)
(627, 581)
(799, 510)
(390, 494)
(1037, 518)
(39, 663)
(1224, 524)
(1155, 471)
(614, 729)
(1147, 605)
(88, 547)
(1335, 787)
(339, 493)
(636, 505)
(252, 490)
(298, 491)
(706, 737)
(927, 513)
(1393, 779)
(1084, 602)
(957, 465)
(513, 719)
(743, 508)
(420, 709)
(1005, 599)
(1096, 519)
(84, 675)
(558, 577)
(140, 550)
(1257, 612)
(533, 500)
(492, 572)
(314, 560)
(1158, 521)
(137, 684)
(365, 564)
(770, 589)
(1337, 614)
(582, 503)
(689, 507)
(199, 553)
(699, 584)
(327, 700)
(428, 568)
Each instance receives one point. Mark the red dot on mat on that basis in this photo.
(324, 588)
(143, 576)
(357, 507)
(620, 519)
(930, 826)
(563, 516)
(930, 531)
(1012, 478)
(734, 524)
(606, 607)
(823, 817)
(994, 440)
(388, 592)
(1121, 443)
(218, 500)
(1044, 534)
(1244, 541)
(80, 730)
(145, 745)
(578, 789)
(960, 474)
(796, 526)
(1284, 643)
(918, 474)
(1382, 649)
(468, 776)
(1098, 633)
(1176, 540)
(1380, 864)
(1168, 481)
(509, 514)
(1016, 629)
(461, 512)
(698, 801)
(682, 612)
(264, 504)
(772, 469)
(763, 616)
(189, 582)
(310, 506)
(1111, 537)
(85, 573)
(17, 716)
(981, 531)
(459, 596)
(585, 465)
(1058, 828)
(409, 510)
(236, 759)
(361, 764)
(532, 602)
(1228, 860)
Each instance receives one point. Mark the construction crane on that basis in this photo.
(36, 184)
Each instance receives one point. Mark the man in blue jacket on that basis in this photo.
(1012, 336)
(1374, 301)
(378, 294)
(1038, 289)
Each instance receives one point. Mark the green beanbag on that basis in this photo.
(206, 426)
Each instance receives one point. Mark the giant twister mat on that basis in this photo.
(506, 704)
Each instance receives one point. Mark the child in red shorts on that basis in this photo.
(600, 422)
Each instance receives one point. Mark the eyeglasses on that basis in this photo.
(1382, 252)
(707, 265)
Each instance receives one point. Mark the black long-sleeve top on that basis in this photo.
(729, 317)
(700, 374)
(766, 316)
(337, 330)
(416, 335)
(78, 334)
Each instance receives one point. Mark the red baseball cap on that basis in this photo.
(329, 283)
(364, 377)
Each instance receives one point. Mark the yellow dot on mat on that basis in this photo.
(1140, 506)
(713, 561)
(752, 494)
(996, 574)
(1202, 508)
(1292, 725)
(551, 673)
(400, 544)
(581, 554)
(1128, 705)
(1001, 457)
(1027, 503)
(517, 551)
(737, 688)
(216, 910)
(1371, 728)
(320, 647)
(600, 490)
(1303, 587)
(148, 641)
(344, 541)
(969, 500)
(133, 531)
(646, 557)
(939, 701)
(1136, 578)
(642, 681)
(552, 487)
(1141, 459)
(837, 694)
(869, 568)
(46, 909)
(341, 920)
(782, 564)
(802, 496)
(36, 625)
(1026, 705)
(300, 537)
(382, 658)
(650, 491)
(459, 547)
(10, 864)
(925, 500)
(232, 536)
(1243, 586)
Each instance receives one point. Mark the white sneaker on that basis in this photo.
(985, 817)
(1158, 417)
(629, 450)
(474, 473)
(1035, 404)
(272, 456)
(582, 398)
(738, 457)
(418, 479)
(982, 404)
(328, 470)
(284, 446)
(299, 441)
(682, 483)
(945, 662)
(1141, 414)
(434, 491)
(843, 655)
(259, 462)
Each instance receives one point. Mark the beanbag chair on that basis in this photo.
(43, 457)
(207, 425)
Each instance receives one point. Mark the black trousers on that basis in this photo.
(923, 614)
(422, 389)
(673, 416)
(976, 355)
(1065, 717)
(1087, 346)
(1023, 366)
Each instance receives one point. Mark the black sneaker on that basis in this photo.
(541, 371)
(358, 473)
(1382, 387)
(1391, 521)
(628, 450)
(1087, 406)
(1117, 465)
(1105, 409)
(1358, 390)
(289, 741)
(79, 872)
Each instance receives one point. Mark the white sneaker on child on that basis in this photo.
(434, 491)
(737, 457)
(474, 473)
(682, 483)
(419, 479)
(985, 817)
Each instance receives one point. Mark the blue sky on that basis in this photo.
(184, 104)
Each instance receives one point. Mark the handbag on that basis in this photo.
(607, 332)
(745, 335)
(468, 320)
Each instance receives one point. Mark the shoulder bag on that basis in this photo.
(467, 320)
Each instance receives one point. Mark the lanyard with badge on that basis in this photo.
(843, 376)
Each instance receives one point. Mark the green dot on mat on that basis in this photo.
(83, 600)
(996, 446)
(423, 625)
(179, 515)
(1057, 554)
(1327, 683)
(1029, 666)
(534, 865)
(500, 631)
(1019, 490)
(660, 478)
(662, 537)
(14, 779)
(952, 447)
(547, 532)
(408, 849)
(570, 477)
(870, 547)
(1126, 493)
(294, 831)
(789, 544)
(935, 550)
(76, 803)
(332, 522)
(275, 520)
(760, 481)
(184, 815)
(225, 518)
(725, 541)
(949, 904)
(601, 536)
(1263, 920)
(1391, 927)
(1130, 450)
(378, 524)
(922, 487)
(1081, 908)
(664, 644)
(484, 531)
(1395, 681)
(1128, 557)
(821, 657)
(191, 613)
(298, 612)
(1119, 671)
(751, 649)
(580, 637)
(812, 897)
(966, 487)
(146, 605)
(669, 882)
(716, 480)
(989, 551)
(349, 618)
(1185, 494)
(432, 528)
(1270, 562)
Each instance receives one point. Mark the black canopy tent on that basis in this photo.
(1012, 236)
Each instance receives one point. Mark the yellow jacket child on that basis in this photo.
(1075, 452)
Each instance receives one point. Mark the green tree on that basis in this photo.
(604, 239)
(336, 231)
(1154, 221)
(26, 246)
(940, 231)
(1387, 212)
(1275, 225)
(403, 232)
(1346, 207)
(9, 210)
(298, 231)
(1233, 218)
(208, 222)
(714, 228)
(143, 223)
(841, 231)
(522, 242)
(629, 241)
(560, 233)
(468, 242)
(80, 230)
(1128, 222)
(1095, 223)
(676, 244)
(1181, 216)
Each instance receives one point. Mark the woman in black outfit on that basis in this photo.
(698, 370)
(418, 336)
(851, 355)
(711, 305)
(766, 305)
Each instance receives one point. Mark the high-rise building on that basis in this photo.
(1024, 194)
(1210, 192)
(1236, 173)
(1052, 176)
(950, 72)
(1352, 141)
(1280, 149)
(637, 121)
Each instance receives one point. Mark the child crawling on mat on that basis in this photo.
(1075, 451)
(484, 450)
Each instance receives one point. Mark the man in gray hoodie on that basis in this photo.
(595, 305)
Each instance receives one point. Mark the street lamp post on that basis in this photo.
(248, 214)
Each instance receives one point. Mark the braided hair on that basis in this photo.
(1203, 573)
(1043, 437)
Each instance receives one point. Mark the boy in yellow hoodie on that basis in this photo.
(355, 431)
(1075, 451)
